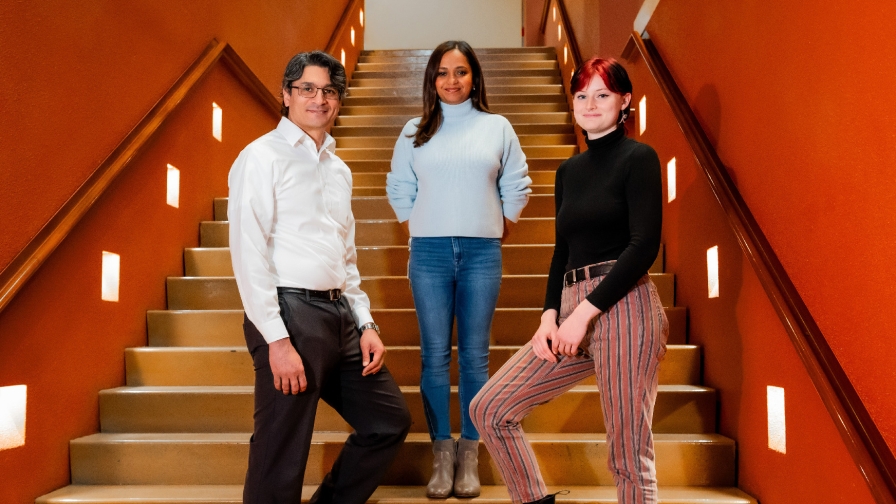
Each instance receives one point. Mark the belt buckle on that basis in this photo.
(334, 294)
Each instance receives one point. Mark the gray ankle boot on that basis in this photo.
(443, 461)
(466, 478)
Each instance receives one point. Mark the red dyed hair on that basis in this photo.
(610, 71)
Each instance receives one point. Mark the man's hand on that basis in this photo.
(287, 367)
(546, 332)
(371, 344)
(572, 330)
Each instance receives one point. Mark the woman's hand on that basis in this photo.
(572, 330)
(546, 331)
(508, 225)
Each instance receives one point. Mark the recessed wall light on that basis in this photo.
(642, 114)
(217, 121)
(712, 271)
(670, 180)
(13, 400)
(777, 425)
(173, 196)
(362, 18)
(111, 270)
(353, 36)
(343, 57)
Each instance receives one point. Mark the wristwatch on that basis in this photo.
(369, 325)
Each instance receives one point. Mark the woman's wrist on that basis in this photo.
(549, 316)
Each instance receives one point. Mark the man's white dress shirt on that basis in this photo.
(291, 225)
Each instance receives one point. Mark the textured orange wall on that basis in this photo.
(58, 337)
(77, 76)
(796, 98)
(73, 84)
(745, 347)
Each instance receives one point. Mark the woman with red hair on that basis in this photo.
(602, 314)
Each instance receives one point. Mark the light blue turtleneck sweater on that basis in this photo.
(463, 182)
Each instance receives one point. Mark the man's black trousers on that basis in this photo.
(326, 337)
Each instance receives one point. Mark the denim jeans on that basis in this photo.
(454, 276)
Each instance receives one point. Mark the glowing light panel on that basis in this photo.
(343, 57)
(353, 36)
(642, 114)
(173, 186)
(712, 271)
(565, 50)
(362, 18)
(111, 269)
(777, 427)
(670, 179)
(555, 12)
(559, 32)
(217, 121)
(12, 416)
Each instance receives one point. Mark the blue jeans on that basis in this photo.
(454, 276)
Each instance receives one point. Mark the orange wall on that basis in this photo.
(77, 76)
(57, 336)
(803, 118)
(811, 200)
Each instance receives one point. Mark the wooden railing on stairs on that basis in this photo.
(863, 440)
(29, 260)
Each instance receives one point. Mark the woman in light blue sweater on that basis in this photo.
(459, 181)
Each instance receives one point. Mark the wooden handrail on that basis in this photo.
(567, 27)
(36, 252)
(344, 21)
(864, 441)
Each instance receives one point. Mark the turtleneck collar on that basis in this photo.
(607, 141)
(453, 112)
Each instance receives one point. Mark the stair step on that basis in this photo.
(418, 65)
(415, 110)
(375, 261)
(220, 459)
(539, 178)
(417, 100)
(383, 142)
(484, 51)
(384, 165)
(389, 260)
(214, 328)
(405, 494)
(228, 366)
(402, 119)
(517, 291)
(385, 153)
(483, 58)
(554, 88)
(412, 75)
(381, 191)
(679, 409)
(392, 131)
(378, 233)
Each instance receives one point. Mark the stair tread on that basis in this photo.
(414, 437)
(244, 389)
(162, 494)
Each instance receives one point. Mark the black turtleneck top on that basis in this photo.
(608, 206)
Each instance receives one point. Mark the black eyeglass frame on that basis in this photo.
(329, 93)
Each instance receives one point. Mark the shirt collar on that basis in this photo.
(296, 136)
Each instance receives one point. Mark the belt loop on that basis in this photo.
(307, 295)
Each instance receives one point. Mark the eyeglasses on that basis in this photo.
(309, 91)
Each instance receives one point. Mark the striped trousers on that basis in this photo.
(624, 347)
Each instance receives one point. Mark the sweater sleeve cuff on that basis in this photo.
(513, 211)
(273, 330)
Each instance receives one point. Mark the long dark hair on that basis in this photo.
(432, 108)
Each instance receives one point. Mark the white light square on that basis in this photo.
(559, 32)
(343, 57)
(555, 13)
(111, 269)
(777, 426)
(565, 51)
(670, 180)
(217, 121)
(13, 401)
(173, 192)
(353, 36)
(712, 271)
(362, 18)
(642, 114)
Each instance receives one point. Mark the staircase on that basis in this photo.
(178, 432)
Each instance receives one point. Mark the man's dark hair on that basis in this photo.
(296, 67)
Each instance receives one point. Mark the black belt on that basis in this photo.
(585, 272)
(329, 295)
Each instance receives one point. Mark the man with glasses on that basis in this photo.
(308, 324)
